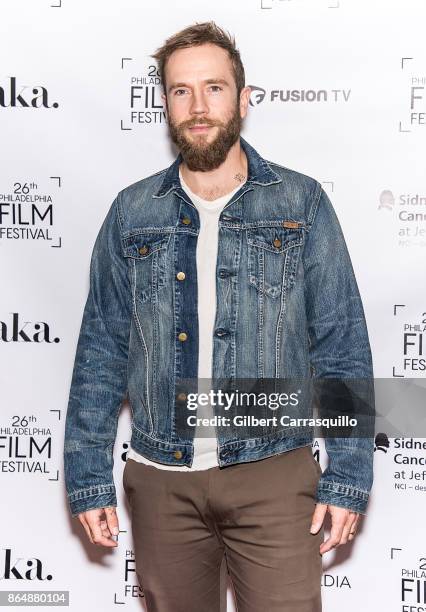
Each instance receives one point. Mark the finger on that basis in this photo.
(354, 529)
(348, 528)
(105, 530)
(318, 517)
(94, 520)
(112, 520)
(86, 527)
(338, 521)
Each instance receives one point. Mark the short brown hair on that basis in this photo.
(200, 34)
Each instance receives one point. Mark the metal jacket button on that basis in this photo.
(182, 336)
(178, 454)
(143, 250)
(180, 275)
(181, 396)
(221, 332)
(277, 242)
(186, 220)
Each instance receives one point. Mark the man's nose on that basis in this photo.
(198, 103)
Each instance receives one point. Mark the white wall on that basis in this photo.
(365, 139)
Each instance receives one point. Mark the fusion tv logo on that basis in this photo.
(259, 95)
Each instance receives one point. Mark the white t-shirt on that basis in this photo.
(205, 446)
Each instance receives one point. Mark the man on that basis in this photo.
(223, 265)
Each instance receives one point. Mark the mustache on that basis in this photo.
(191, 122)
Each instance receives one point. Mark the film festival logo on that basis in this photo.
(26, 446)
(26, 214)
(131, 590)
(409, 211)
(259, 95)
(146, 106)
(412, 332)
(412, 586)
(416, 97)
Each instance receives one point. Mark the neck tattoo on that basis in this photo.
(239, 177)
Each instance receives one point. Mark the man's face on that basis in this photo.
(204, 112)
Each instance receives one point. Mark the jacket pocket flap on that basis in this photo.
(276, 239)
(143, 245)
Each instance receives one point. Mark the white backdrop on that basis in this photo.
(71, 138)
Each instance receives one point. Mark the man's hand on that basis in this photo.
(100, 524)
(344, 523)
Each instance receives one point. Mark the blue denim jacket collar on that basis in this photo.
(259, 171)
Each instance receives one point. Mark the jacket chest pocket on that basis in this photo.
(147, 255)
(273, 253)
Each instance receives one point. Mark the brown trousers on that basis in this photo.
(257, 515)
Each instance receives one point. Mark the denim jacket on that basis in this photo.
(287, 305)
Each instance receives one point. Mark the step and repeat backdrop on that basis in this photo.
(338, 93)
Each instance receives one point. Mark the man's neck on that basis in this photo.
(214, 184)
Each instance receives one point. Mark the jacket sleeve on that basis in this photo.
(99, 379)
(339, 349)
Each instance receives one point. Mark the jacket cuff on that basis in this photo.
(99, 496)
(338, 494)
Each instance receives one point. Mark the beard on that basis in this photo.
(199, 154)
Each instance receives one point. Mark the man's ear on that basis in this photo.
(244, 100)
(164, 99)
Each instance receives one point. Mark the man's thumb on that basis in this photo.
(318, 517)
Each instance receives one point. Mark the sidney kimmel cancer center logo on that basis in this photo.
(408, 210)
(259, 95)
